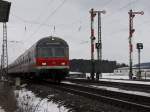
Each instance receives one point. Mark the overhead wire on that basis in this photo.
(35, 21)
(50, 15)
(129, 4)
(79, 28)
(32, 22)
(108, 2)
(122, 8)
(44, 24)
(117, 11)
(42, 12)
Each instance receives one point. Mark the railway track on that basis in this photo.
(122, 99)
(122, 85)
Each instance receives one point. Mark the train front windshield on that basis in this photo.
(46, 52)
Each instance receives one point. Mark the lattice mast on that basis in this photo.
(4, 57)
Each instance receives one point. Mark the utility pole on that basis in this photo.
(131, 31)
(99, 43)
(4, 52)
(4, 17)
(93, 14)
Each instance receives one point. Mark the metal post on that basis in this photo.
(4, 17)
(139, 64)
(99, 44)
(1, 73)
(139, 47)
(131, 31)
(4, 53)
(93, 14)
(99, 50)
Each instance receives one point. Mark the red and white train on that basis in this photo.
(47, 58)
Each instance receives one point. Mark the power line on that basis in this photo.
(107, 3)
(128, 4)
(30, 22)
(79, 28)
(121, 8)
(50, 15)
(42, 12)
(117, 11)
(40, 15)
(48, 25)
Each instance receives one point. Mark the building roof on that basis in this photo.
(136, 66)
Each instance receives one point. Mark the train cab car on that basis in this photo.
(47, 58)
(52, 57)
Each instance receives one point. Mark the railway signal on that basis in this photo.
(139, 46)
(99, 43)
(93, 14)
(131, 31)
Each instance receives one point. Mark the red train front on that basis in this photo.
(52, 58)
(47, 58)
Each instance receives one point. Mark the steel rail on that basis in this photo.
(124, 100)
(119, 99)
(132, 86)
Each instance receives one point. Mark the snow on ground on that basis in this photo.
(27, 101)
(118, 89)
(68, 82)
(112, 77)
(126, 81)
(1, 110)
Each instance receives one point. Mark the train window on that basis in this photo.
(59, 52)
(45, 52)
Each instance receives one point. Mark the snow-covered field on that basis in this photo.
(28, 102)
(114, 76)
(1, 110)
(111, 76)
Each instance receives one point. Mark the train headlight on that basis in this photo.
(63, 63)
(44, 64)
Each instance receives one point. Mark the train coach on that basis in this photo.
(47, 58)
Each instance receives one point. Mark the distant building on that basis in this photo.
(145, 70)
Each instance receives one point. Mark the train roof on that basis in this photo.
(51, 41)
(142, 66)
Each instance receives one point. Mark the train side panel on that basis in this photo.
(23, 64)
(48, 58)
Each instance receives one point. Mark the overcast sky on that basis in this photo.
(31, 20)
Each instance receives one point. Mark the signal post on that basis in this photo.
(98, 44)
(139, 46)
(93, 14)
(131, 31)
